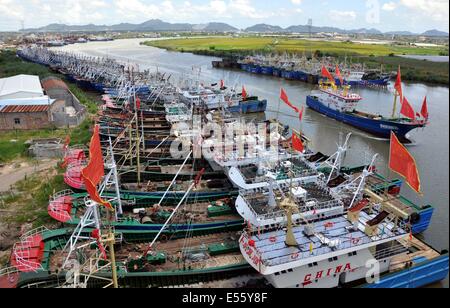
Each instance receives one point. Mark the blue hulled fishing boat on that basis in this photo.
(341, 105)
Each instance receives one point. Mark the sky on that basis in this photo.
(386, 15)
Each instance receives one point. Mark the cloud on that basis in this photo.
(296, 2)
(389, 6)
(437, 10)
(342, 16)
(11, 9)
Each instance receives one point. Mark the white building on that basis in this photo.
(20, 87)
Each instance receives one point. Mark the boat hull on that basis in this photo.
(379, 128)
(420, 275)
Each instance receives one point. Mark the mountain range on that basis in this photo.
(159, 25)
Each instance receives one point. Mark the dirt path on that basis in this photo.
(11, 174)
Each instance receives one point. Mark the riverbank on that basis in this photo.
(373, 56)
(27, 183)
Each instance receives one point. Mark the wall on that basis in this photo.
(28, 121)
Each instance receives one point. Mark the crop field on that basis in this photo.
(229, 44)
(373, 55)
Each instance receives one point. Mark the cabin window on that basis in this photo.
(315, 264)
(277, 274)
(17, 121)
(290, 270)
(310, 265)
(283, 272)
(335, 258)
(330, 260)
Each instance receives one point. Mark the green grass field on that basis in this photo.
(240, 44)
(372, 55)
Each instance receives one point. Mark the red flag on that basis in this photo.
(338, 73)
(408, 110)
(96, 235)
(222, 84)
(424, 111)
(244, 93)
(301, 113)
(297, 143)
(95, 171)
(285, 98)
(138, 103)
(398, 84)
(402, 162)
(327, 74)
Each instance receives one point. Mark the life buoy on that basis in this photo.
(272, 239)
(294, 256)
(164, 238)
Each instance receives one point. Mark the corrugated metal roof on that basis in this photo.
(24, 109)
(20, 83)
(44, 100)
(51, 83)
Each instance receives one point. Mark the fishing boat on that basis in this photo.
(336, 248)
(38, 261)
(142, 217)
(341, 105)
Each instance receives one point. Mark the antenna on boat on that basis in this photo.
(357, 185)
(336, 160)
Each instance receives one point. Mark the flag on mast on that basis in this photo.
(244, 93)
(424, 111)
(301, 113)
(327, 74)
(407, 110)
(285, 99)
(398, 84)
(338, 73)
(297, 143)
(402, 162)
(94, 172)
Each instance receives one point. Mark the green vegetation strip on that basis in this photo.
(373, 55)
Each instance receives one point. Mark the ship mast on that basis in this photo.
(396, 95)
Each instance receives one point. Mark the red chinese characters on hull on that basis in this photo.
(248, 247)
(327, 273)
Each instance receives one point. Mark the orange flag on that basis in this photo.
(297, 143)
(402, 162)
(95, 171)
(327, 74)
(338, 73)
(285, 98)
(398, 84)
(407, 110)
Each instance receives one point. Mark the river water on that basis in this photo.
(430, 147)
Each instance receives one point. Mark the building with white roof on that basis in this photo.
(20, 87)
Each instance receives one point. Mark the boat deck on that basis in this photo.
(187, 253)
(258, 200)
(298, 167)
(330, 236)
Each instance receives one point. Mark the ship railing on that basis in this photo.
(22, 254)
(63, 193)
(300, 255)
(391, 251)
(38, 231)
(322, 205)
(9, 271)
